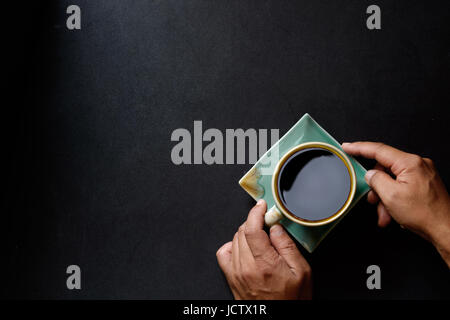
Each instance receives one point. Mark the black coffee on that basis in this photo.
(314, 184)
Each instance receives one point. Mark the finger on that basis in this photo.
(245, 254)
(386, 155)
(286, 248)
(235, 254)
(256, 237)
(255, 219)
(372, 197)
(381, 183)
(384, 218)
(224, 258)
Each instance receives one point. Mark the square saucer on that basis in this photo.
(258, 180)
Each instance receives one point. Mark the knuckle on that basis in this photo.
(306, 268)
(402, 162)
(249, 233)
(308, 271)
(219, 253)
(288, 245)
(255, 211)
(429, 162)
(305, 273)
(416, 161)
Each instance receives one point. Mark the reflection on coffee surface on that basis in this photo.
(314, 184)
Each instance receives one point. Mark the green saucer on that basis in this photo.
(257, 181)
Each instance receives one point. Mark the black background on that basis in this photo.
(88, 114)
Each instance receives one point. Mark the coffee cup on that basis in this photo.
(313, 184)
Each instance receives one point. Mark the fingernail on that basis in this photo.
(276, 230)
(369, 175)
(260, 202)
(345, 144)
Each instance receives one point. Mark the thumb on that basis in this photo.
(381, 183)
(286, 248)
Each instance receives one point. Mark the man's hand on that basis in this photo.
(416, 197)
(259, 267)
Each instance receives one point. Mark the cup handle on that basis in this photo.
(272, 216)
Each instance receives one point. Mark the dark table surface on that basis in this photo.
(88, 116)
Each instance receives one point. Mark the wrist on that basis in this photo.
(440, 235)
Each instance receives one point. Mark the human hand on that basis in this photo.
(416, 197)
(258, 267)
